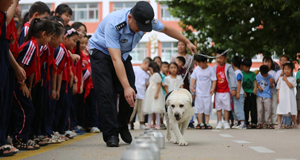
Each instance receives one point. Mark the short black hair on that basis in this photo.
(164, 62)
(147, 59)
(247, 62)
(181, 59)
(39, 7)
(236, 61)
(156, 58)
(200, 58)
(290, 65)
(173, 64)
(220, 51)
(264, 69)
(287, 58)
(63, 8)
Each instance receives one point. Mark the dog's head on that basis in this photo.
(178, 104)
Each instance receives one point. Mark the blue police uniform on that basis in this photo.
(113, 32)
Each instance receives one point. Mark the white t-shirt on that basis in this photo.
(141, 79)
(273, 74)
(204, 78)
(277, 75)
(173, 83)
(239, 76)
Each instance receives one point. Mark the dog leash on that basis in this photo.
(214, 57)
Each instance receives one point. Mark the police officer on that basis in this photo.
(116, 36)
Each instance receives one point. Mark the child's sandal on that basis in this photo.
(23, 146)
(270, 126)
(6, 151)
(259, 126)
(249, 127)
(33, 144)
(208, 126)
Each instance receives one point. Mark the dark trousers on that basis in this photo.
(250, 106)
(23, 114)
(4, 108)
(77, 112)
(90, 110)
(49, 110)
(38, 103)
(60, 109)
(107, 85)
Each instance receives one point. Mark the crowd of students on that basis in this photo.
(248, 100)
(46, 89)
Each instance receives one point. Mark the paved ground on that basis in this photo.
(204, 144)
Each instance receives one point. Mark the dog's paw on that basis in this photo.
(176, 142)
(169, 136)
(183, 143)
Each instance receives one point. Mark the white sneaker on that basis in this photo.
(54, 139)
(241, 127)
(226, 125)
(219, 125)
(142, 126)
(79, 127)
(60, 137)
(95, 130)
(73, 134)
(235, 126)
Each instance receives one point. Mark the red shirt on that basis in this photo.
(2, 21)
(11, 35)
(222, 83)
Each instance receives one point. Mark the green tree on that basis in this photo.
(248, 27)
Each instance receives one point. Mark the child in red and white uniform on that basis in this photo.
(40, 33)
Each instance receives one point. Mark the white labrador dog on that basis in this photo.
(179, 114)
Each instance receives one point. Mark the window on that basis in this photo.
(165, 14)
(168, 50)
(122, 5)
(139, 53)
(24, 8)
(84, 12)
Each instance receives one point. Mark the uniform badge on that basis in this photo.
(120, 26)
(124, 40)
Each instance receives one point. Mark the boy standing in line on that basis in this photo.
(226, 85)
(249, 85)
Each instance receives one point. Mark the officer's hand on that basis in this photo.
(129, 94)
(192, 48)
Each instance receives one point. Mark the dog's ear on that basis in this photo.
(168, 102)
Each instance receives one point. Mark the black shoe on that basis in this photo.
(125, 135)
(112, 141)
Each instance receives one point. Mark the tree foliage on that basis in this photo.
(248, 27)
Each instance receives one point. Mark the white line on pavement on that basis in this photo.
(261, 149)
(226, 135)
(240, 141)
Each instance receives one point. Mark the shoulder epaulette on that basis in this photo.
(120, 26)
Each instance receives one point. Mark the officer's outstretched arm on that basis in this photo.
(129, 93)
(172, 32)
